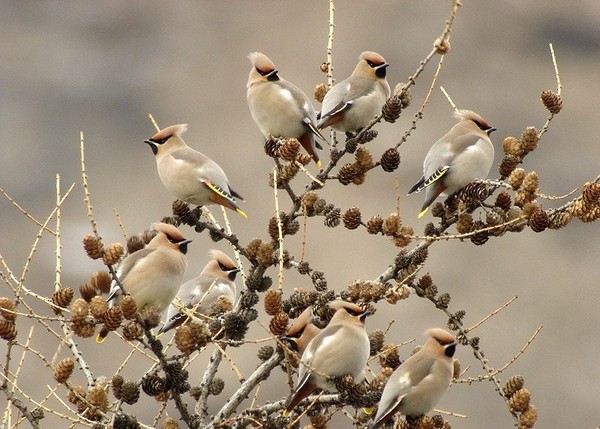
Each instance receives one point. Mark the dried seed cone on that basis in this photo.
(279, 323)
(318, 421)
(113, 318)
(516, 178)
(539, 221)
(8, 330)
(87, 291)
(216, 386)
(528, 417)
(559, 219)
(287, 172)
(274, 228)
(74, 396)
(185, 340)
(512, 385)
(132, 331)
(392, 109)
(530, 183)
(101, 280)
(376, 339)
(519, 401)
(333, 218)
(348, 172)
(7, 307)
(425, 422)
(551, 101)
(390, 160)
(170, 423)
(97, 397)
(128, 307)
(153, 384)
(117, 384)
(529, 139)
(591, 193)
(79, 310)
(455, 369)
(474, 192)
(113, 254)
(390, 358)
(272, 302)
(364, 159)
(480, 237)
(507, 165)
(512, 146)
(375, 225)
(135, 243)
(264, 256)
(265, 352)
(320, 91)
(352, 218)
(130, 392)
(308, 202)
(83, 329)
(98, 308)
(235, 327)
(391, 224)
(464, 224)
(271, 147)
(404, 93)
(503, 201)
(63, 297)
(93, 246)
(288, 149)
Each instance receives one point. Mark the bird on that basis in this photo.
(188, 174)
(339, 349)
(416, 386)
(152, 275)
(353, 103)
(216, 279)
(279, 108)
(302, 331)
(464, 154)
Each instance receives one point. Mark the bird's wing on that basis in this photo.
(125, 268)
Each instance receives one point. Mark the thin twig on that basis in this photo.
(493, 313)
(25, 212)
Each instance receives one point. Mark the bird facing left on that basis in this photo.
(188, 174)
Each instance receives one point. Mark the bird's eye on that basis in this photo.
(481, 126)
(223, 267)
(161, 141)
(371, 64)
(171, 239)
(263, 72)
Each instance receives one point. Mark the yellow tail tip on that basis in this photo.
(368, 410)
(100, 339)
(241, 212)
(423, 212)
(318, 163)
(286, 413)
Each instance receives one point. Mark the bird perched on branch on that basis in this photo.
(464, 154)
(279, 108)
(216, 279)
(188, 174)
(341, 348)
(419, 383)
(302, 331)
(152, 275)
(353, 103)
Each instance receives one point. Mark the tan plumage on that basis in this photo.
(279, 108)
(419, 383)
(353, 103)
(302, 331)
(464, 154)
(216, 279)
(188, 174)
(152, 275)
(341, 348)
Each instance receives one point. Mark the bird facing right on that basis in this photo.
(279, 108)
(216, 279)
(464, 154)
(152, 275)
(419, 383)
(353, 103)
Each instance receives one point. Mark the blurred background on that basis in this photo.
(101, 67)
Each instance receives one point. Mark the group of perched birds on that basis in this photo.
(154, 275)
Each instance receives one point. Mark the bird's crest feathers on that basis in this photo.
(169, 230)
(466, 115)
(440, 335)
(221, 258)
(173, 130)
(373, 57)
(261, 61)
